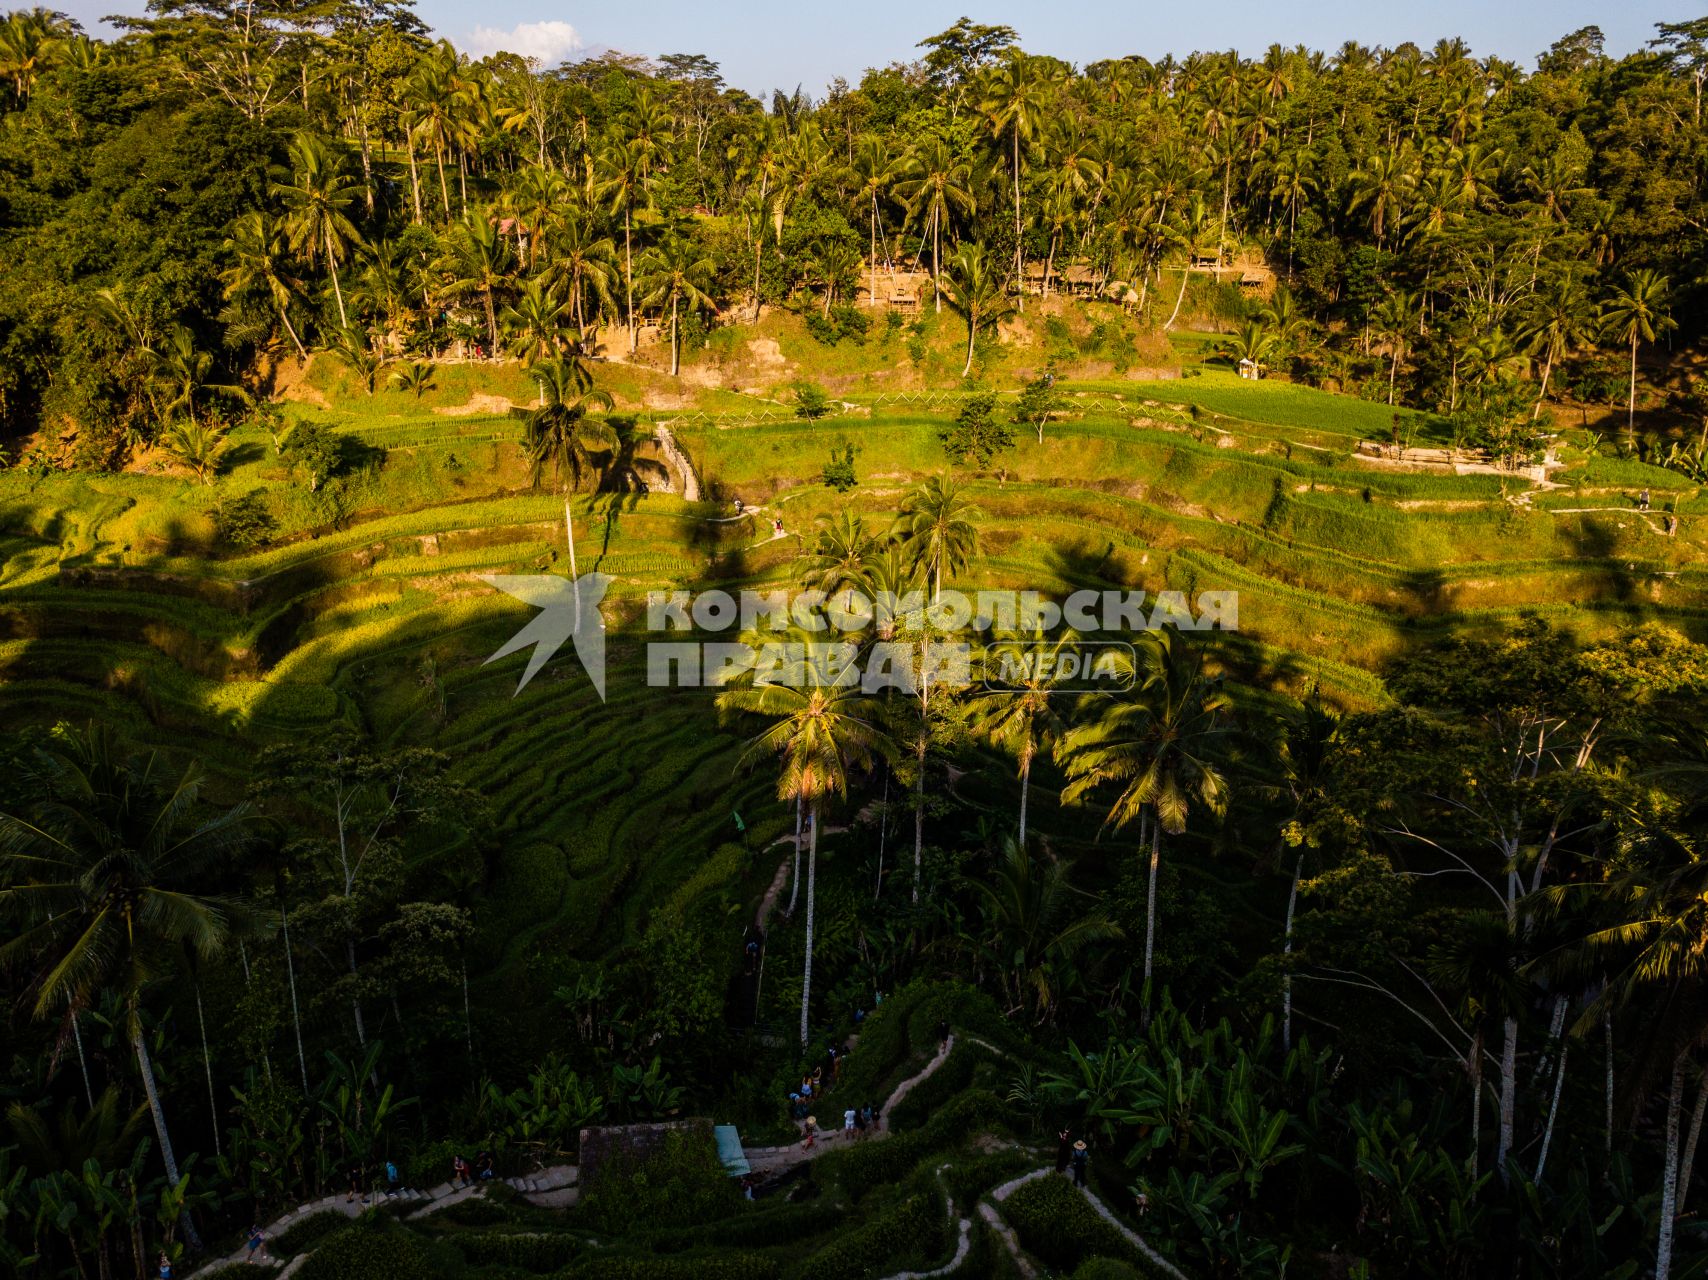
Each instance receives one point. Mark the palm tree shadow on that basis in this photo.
(626, 477)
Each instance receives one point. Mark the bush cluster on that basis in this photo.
(538, 1253)
(912, 1232)
(844, 321)
(1055, 1222)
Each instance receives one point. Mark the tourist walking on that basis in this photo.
(1081, 1157)
(257, 1243)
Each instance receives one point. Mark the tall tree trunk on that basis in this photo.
(675, 349)
(355, 1000)
(444, 191)
(1185, 275)
(1508, 1095)
(812, 886)
(367, 164)
(207, 1067)
(972, 331)
(919, 818)
(629, 279)
(140, 1045)
(1553, 1111)
(1150, 914)
(1669, 1179)
(1287, 951)
(1607, 1041)
(1631, 404)
(296, 1012)
(1019, 246)
(82, 1062)
(795, 877)
(337, 289)
(1687, 1165)
(569, 541)
(285, 315)
(1475, 1070)
(874, 262)
(414, 176)
(1025, 779)
(1547, 368)
(883, 834)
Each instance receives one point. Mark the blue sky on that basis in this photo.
(764, 44)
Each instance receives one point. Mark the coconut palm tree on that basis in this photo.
(352, 345)
(559, 434)
(1152, 747)
(257, 243)
(934, 531)
(1636, 313)
(181, 371)
(103, 884)
(579, 260)
(676, 274)
(623, 186)
(479, 261)
(1014, 102)
(841, 553)
(315, 200)
(416, 377)
(820, 731)
(534, 324)
(975, 294)
(876, 171)
(1559, 318)
(1034, 923)
(1025, 714)
(200, 446)
(935, 185)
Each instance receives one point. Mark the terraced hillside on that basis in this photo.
(366, 606)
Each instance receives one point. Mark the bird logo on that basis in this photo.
(569, 610)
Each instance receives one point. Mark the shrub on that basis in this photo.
(679, 1184)
(529, 1252)
(1105, 1269)
(373, 1248)
(759, 1228)
(303, 1235)
(865, 1167)
(244, 521)
(811, 401)
(838, 473)
(976, 436)
(723, 1266)
(1055, 1222)
(913, 1232)
(970, 1177)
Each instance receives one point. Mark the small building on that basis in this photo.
(1080, 280)
(1038, 278)
(1252, 281)
(1250, 369)
(1203, 261)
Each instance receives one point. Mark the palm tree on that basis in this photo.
(936, 184)
(1653, 948)
(934, 531)
(1384, 184)
(1035, 922)
(578, 259)
(103, 884)
(876, 170)
(676, 273)
(818, 734)
(1396, 321)
(258, 245)
(1014, 103)
(351, 345)
(181, 370)
(1253, 342)
(1025, 714)
(975, 294)
(479, 260)
(625, 189)
(197, 444)
(315, 200)
(415, 377)
(534, 323)
(1636, 313)
(841, 554)
(1560, 317)
(1152, 748)
(560, 435)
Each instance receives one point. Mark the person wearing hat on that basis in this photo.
(1080, 1158)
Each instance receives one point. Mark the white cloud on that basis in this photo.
(550, 42)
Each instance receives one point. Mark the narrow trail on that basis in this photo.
(1102, 1210)
(557, 1186)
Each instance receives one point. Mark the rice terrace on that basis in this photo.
(1039, 657)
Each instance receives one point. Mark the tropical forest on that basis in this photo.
(998, 668)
